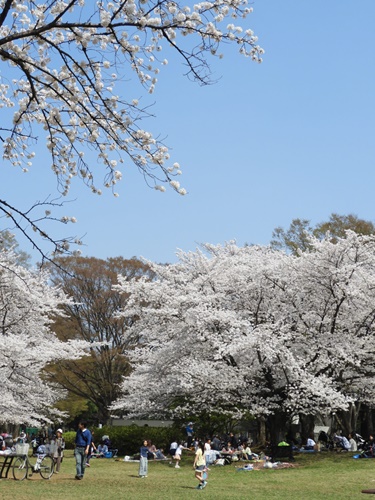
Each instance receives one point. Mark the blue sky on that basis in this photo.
(292, 137)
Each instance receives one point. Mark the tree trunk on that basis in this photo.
(347, 420)
(262, 431)
(367, 423)
(307, 427)
(277, 427)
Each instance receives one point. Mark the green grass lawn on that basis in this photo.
(322, 476)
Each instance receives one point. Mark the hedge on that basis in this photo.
(128, 440)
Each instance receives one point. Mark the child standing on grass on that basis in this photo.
(200, 465)
(143, 461)
(177, 455)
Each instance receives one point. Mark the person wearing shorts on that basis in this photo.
(177, 455)
(200, 465)
(172, 449)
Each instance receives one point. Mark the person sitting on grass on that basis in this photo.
(248, 454)
(310, 443)
(342, 442)
(369, 446)
(102, 449)
(154, 453)
(228, 450)
(352, 442)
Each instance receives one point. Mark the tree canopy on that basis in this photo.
(27, 305)
(298, 236)
(255, 330)
(91, 317)
(8, 243)
(64, 65)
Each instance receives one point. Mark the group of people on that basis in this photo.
(206, 452)
(355, 442)
(336, 442)
(241, 452)
(347, 444)
(228, 447)
(54, 445)
(199, 466)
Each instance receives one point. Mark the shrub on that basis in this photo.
(69, 438)
(128, 440)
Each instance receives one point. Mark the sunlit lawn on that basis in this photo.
(323, 476)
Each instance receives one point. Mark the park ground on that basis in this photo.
(325, 476)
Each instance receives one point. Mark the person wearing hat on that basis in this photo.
(189, 433)
(58, 450)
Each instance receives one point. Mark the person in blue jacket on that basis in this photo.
(189, 430)
(82, 449)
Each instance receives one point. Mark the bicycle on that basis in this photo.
(21, 466)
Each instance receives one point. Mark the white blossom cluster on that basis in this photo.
(64, 68)
(255, 330)
(27, 305)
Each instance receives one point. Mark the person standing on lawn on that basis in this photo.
(91, 451)
(200, 465)
(83, 443)
(173, 447)
(143, 460)
(58, 452)
(189, 430)
(177, 455)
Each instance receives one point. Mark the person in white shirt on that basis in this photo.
(248, 454)
(172, 449)
(310, 443)
(177, 455)
(352, 442)
(342, 442)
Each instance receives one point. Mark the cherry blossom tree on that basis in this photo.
(255, 330)
(64, 68)
(27, 303)
(333, 301)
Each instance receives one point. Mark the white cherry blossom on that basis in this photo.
(28, 306)
(58, 54)
(254, 330)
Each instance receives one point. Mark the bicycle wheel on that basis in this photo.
(20, 468)
(46, 467)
